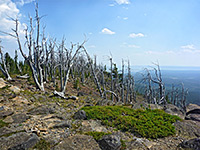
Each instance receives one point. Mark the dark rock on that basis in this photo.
(4, 114)
(192, 107)
(13, 140)
(187, 128)
(41, 110)
(110, 142)
(31, 142)
(19, 118)
(193, 144)
(78, 142)
(80, 115)
(63, 124)
(195, 117)
(81, 94)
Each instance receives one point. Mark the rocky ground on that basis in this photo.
(30, 119)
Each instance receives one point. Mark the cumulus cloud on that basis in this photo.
(122, 2)
(7, 9)
(134, 35)
(107, 31)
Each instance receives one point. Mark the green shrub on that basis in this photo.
(146, 123)
(97, 135)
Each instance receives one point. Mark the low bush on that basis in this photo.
(146, 123)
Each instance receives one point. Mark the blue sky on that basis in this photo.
(143, 31)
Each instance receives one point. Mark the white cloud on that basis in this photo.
(191, 46)
(125, 18)
(7, 9)
(23, 2)
(133, 46)
(134, 35)
(107, 31)
(122, 2)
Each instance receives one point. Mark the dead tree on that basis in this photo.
(34, 49)
(111, 74)
(4, 68)
(122, 92)
(93, 72)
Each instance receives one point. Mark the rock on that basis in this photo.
(2, 83)
(15, 89)
(174, 110)
(192, 107)
(144, 105)
(195, 117)
(192, 144)
(13, 140)
(5, 130)
(19, 99)
(110, 142)
(81, 94)
(78, 142)
(31, 142)
(142, 141)
(6, 113)
(187, 129)
(105, 102)
(41, 110)
(8, 119)
(63, 124)
(19, 118)
(81, 114)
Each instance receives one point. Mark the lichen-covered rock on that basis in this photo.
(110, 142)
(40, 110)
(78, 142)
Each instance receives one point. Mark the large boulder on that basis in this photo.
(192, 107)
(110, 142)
(78, 142)
(192, 144)
(193, 112)
(187, 129)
